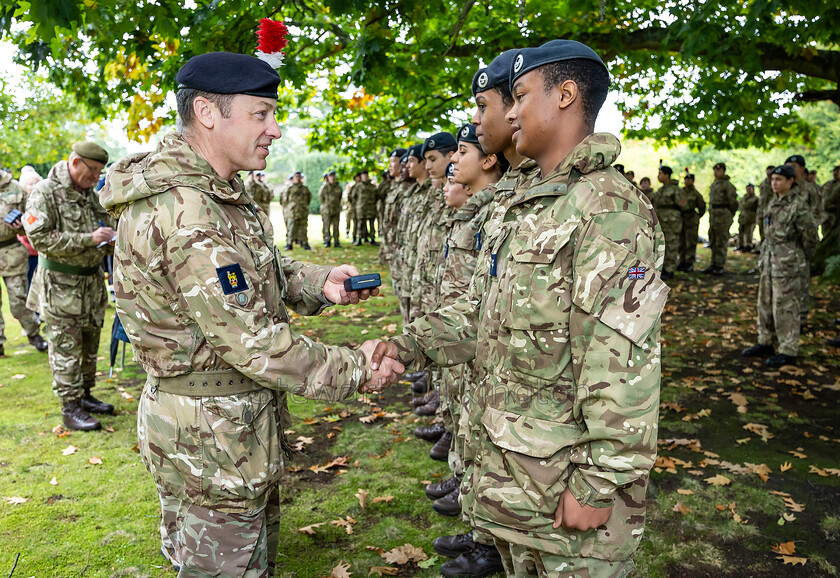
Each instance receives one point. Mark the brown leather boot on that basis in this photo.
(448, 505)
(75, 417)
(92, 405)
(428, 398)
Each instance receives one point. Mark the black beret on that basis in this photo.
(363, 172)
(328, 173)
(404, 159)
(450, 170)
(467, 134)
(414, 151)
(689, 176)
(667, 170)
(440, 141)
(399, 153)
(229, 73)
(785, 170)
(720, 166)
(619, 167)
(798, 159)
(528, 59)
(495, 73)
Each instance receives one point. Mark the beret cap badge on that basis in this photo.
(517, 65)
(482, 80)
(465, 132)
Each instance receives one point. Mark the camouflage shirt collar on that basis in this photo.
(595, 152)
(475, 203)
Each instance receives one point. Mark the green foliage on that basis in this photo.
(39, 129)
(725, 73)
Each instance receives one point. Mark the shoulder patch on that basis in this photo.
(232, 278)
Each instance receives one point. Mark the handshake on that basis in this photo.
(383, 359)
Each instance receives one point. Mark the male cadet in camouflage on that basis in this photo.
(644, 186)
(418, 206)
(288, 211)
(723, 202)
(201, 290)
(747, 207)
(695, 209)
(299, 197)
(810, 193)
(563, 321)
(329, 196)
(386, 183)
(259, 191)
(397, 261)
(391, 208)
(765, 195)
(67, 226)
(364, 194)
(14, 263)
(831, 206)
(790, 239)
(670, 204)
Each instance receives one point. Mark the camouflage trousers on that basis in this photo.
(290, 226)
(745, 234)
(779, 312)
(720, 220)
(671, 222)
(216, 463)
(521, 562)
(16, 289)
(330, 228)
(72, 352)
(688, 241)
(805, 296)
(450, 414)
(300, 229)
(365, 230)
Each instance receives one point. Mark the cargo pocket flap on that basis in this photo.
(531, 436)
(539, 243)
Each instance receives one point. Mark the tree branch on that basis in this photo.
(462, 18)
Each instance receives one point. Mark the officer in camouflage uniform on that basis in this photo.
(299, 196)
(723, 202)
(391, 207)
(790, 240)
(201, 289)
(695, 209)
(831, 206)
(364, 195)
(670, 204)
(563, 321)
(747, 208)
(14, 263)
(810, 193)
(329, 196)
(765, 195)
(70, 230)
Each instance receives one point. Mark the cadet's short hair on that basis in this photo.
(185, 98)
(503, 90)
(591, 77)
(667, 170)
(720, 166)
(643, 179)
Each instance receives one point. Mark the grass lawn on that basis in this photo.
(747, 481)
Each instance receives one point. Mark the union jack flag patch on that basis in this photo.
(636, 273)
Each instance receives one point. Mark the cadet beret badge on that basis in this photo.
(482, 80)
(431, 144)
(272, 39)
(517, 65)
(465, 132)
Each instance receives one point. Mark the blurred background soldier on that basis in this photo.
(69, 228)
(14, 262)
(365, 197)
(696, 208)
(765, 195)
(299, 196)
(669, 202)
(747, 206)
(810, 193)
(258, 190)
(350, 207)
(644, 186)
(28, 178)
(723, 202)
(831, 205)
(391, 207)
(329, 196)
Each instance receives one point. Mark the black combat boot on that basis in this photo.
(326, 243)
(288, 247)
(73, 416)
(38, 343)
(479, 562)
(2, 350)
(758, 350)
(448, 505)
(454, 546)
(441, 489)
(440, 451)
(428, 409)
(421, 386)
(92, 405)
(423, 400)
(780, 360)
(414, 376)
(430, 433)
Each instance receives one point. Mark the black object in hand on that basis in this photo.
(359, 282)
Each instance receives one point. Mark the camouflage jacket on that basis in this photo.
(812, 195)
(563, 321)
(329, 195)
(831, 206)
(790, 236)
(200, 285)
(415, 212)
(14, 259)
(431, 236)
(463, 244)
(722, 195)
(364, 199)
(695, 204)
(670, 203)
(298, 198)
(748, 205)
(390, 221)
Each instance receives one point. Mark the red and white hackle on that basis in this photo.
(272, 39)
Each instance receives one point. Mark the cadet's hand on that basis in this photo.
(103, 235)
(16, 224)
(334, 287)
(386, 373)
(573, 516)
(384, 349)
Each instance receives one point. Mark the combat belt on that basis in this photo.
(65, 268)
(9, 242)
(215, 383)
(724, 206)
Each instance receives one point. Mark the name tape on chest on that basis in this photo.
(232, 279)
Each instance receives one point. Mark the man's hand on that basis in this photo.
(384, 349)
(103, 235)
(16, 224)
(573, 516)
(334, 287)
(386, 372)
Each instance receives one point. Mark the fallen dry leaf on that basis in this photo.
(69, 450)
(786, 548)
(718, 480)
(18, 376)
(742, 441)
(341, 571)
(815, 470)
(383, 571)
(126, 396)
(797, 454)
(785, 467)
(792, 560)
(310, 529)
(54, 481)
(383, 499)
(404, 554)
(95, 460)
(681, 508)
(347, 523)
(685, 492)
(16, 500)
(759, 430)
(362, 497)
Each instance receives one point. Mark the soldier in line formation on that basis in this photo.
(363, 199)
(256, 186)
(329, 197)
(295, 199)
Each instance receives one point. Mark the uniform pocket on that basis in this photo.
(64, 294)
